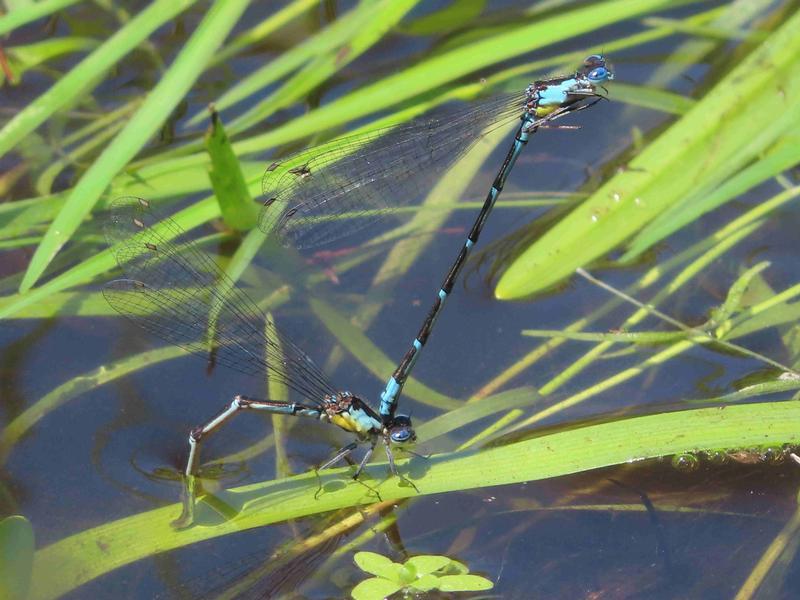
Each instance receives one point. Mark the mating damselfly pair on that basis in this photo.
(178, 293)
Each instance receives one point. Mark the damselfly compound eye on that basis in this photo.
(599, 75)
(595, 60)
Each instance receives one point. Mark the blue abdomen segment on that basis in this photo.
(389, 398)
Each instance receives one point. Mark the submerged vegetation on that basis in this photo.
(696, 175)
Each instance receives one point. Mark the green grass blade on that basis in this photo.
(188, 219)
(24, 58)
(460, 13)
(696, 150)
(450, 66)
(30, 12)
(89, 72)
(780, 158)
(376, 20)
(70, 562)
(402, 89)
(264, 29)
(188, 66)
(334, 35)
(667, 102)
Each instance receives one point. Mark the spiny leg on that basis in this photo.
(344, 454)
(393, 468)
(197, 434)
(363, 464)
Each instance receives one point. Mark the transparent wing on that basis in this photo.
(325, 193)
(178, 293)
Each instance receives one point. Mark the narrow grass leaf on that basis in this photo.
(378, 18)
(457, 14)
(75, 388)
(89, 72)
(32, 11)
(170, 90)
(261, 31)
(647, 97)
(24, 58)
(189, 218)
(448, 67)
(619, 337)
(334, 36)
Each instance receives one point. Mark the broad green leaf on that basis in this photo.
(94, 552)
(427, 563)
(717, 136)
(426, 583)
(464, 583)
(237, 207)
(377, 564)
(375, 588)
(178, 79)
(778, 159)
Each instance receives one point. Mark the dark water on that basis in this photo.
(96, 458)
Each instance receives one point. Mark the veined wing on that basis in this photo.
(323, 194)
(178, 293)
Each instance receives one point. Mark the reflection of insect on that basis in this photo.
(770, 455)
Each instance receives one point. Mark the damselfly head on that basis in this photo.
(595, 69)
(401, 431)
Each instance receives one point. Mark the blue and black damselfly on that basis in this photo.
(318, 196)
(178, 293)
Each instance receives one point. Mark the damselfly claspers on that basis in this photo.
(178, 293)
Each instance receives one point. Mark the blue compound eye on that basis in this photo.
(401, 435)
(595, 60)
(401, 430)
(599, 75)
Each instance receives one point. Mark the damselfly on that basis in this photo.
(178, 293)
(320, 195)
